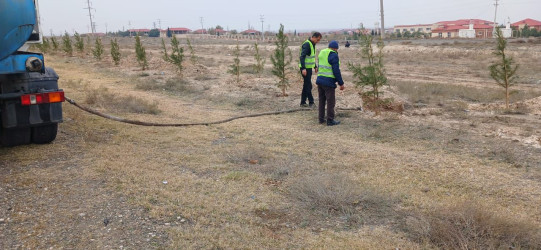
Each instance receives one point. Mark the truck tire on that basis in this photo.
(44, 134)
(10, 137)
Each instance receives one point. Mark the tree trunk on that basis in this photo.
(507, 97)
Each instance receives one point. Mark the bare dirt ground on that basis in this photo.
(284, 181)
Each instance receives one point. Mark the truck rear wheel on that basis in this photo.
(44, 134)
(10, 137)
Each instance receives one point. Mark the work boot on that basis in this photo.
(332, 122)
(304, 105)
(312, 105)
(321, 121)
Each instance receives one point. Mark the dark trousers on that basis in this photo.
(307, 87)
(326, 94)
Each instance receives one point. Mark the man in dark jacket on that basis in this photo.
(307, 62)
(329, 74)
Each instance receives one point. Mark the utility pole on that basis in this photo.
(160, 23)
(382, 20)
(262, 30)
(495, 13)
(201, 21)
(106, 29)
(92, 28)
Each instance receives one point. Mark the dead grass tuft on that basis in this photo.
(472, 226)
(337, 194)
(246, 102)
(101, 97)
(179, 85)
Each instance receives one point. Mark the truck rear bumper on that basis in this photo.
(14, 115)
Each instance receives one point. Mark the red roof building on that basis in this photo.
(530, 22)
(178, 31)
(200, 31)
(134, 32)
(251, 32)
(220, 32)
(451, 29)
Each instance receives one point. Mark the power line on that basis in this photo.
(382, 20)
(495, 13)
(201, 21)
(92, 25)
(262, 30)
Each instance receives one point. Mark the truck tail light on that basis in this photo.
(40, 98)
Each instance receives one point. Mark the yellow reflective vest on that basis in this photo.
(325, 68)
(309, 60)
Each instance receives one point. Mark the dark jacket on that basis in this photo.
(331, 82)
(306, 52)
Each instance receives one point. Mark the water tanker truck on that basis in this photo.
(30, 100)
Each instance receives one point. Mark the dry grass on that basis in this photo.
(434, 93)
(275, 181)
(335, 194)
(175, 84)
(473, 226)
(102, 98)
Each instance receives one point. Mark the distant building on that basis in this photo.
(142, 32)
(174, 31)
(200, 31)
(424, 28)
(179, 31)
(464, 28)
(251, 32)
(530, 22)
(220, 32)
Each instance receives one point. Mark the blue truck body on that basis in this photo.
(30, 100)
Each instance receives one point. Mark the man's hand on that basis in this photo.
(303, 72)
(342, 87)
(316, 70)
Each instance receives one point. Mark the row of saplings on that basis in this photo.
(369, 78)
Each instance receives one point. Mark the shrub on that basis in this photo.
(373, 74)
(54, 43)
(281, 59)
(66, 44)
(45, 46)
(79, 42)
(177, 54)
(115, 51)
(234, 68)
(193, 58)
(140, 53)
(98, 49)
(259, 60)
(503, 71)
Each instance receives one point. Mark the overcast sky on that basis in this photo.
(304, 15)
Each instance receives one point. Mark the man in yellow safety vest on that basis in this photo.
(307, 62)
(329, 74)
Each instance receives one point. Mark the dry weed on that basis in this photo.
(101, 97)
(472, 226)
(337, 194)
